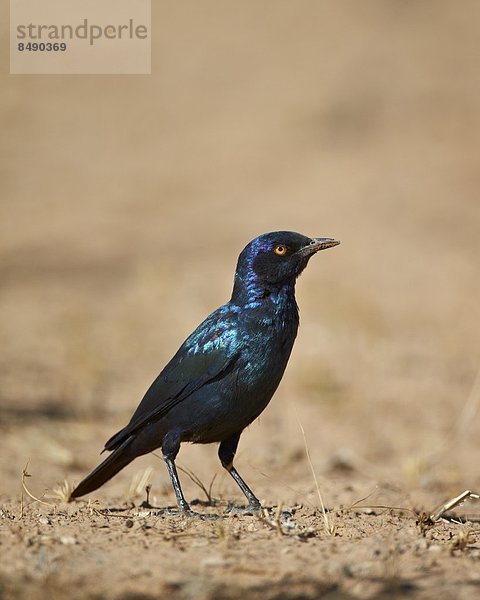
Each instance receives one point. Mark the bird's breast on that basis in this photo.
(268, 342)
(263, 342)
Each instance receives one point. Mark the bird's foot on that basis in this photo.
(250, 509)
(186, 511)
(202, 516)
(180, 512)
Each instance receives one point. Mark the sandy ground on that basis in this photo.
(125, 202)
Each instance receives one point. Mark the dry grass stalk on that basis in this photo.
(25, 474)
(62, 491)
(451, 504)
(328, 526)
(197, 481)
(138, 485)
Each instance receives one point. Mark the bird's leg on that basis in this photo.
(170, 449)
(253, 502)
(226, 454)
(172, 469)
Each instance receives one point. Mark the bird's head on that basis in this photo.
(274, 260)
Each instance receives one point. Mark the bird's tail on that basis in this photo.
(114, 463)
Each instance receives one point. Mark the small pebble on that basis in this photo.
(68, 540)
(214, 561)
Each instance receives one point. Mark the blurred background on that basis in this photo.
(126, 199)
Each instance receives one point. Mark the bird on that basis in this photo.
(225, 373)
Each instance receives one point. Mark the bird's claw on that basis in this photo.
(250, 509)
(188, 512)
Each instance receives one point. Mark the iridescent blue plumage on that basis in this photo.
(226, 371)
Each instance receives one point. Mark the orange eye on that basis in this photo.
(280, 250)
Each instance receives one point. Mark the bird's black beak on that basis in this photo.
(317, 244)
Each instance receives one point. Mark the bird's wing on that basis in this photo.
(207, 355)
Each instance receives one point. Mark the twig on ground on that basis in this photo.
(197, 481)
(24, 476)
(451, 504)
